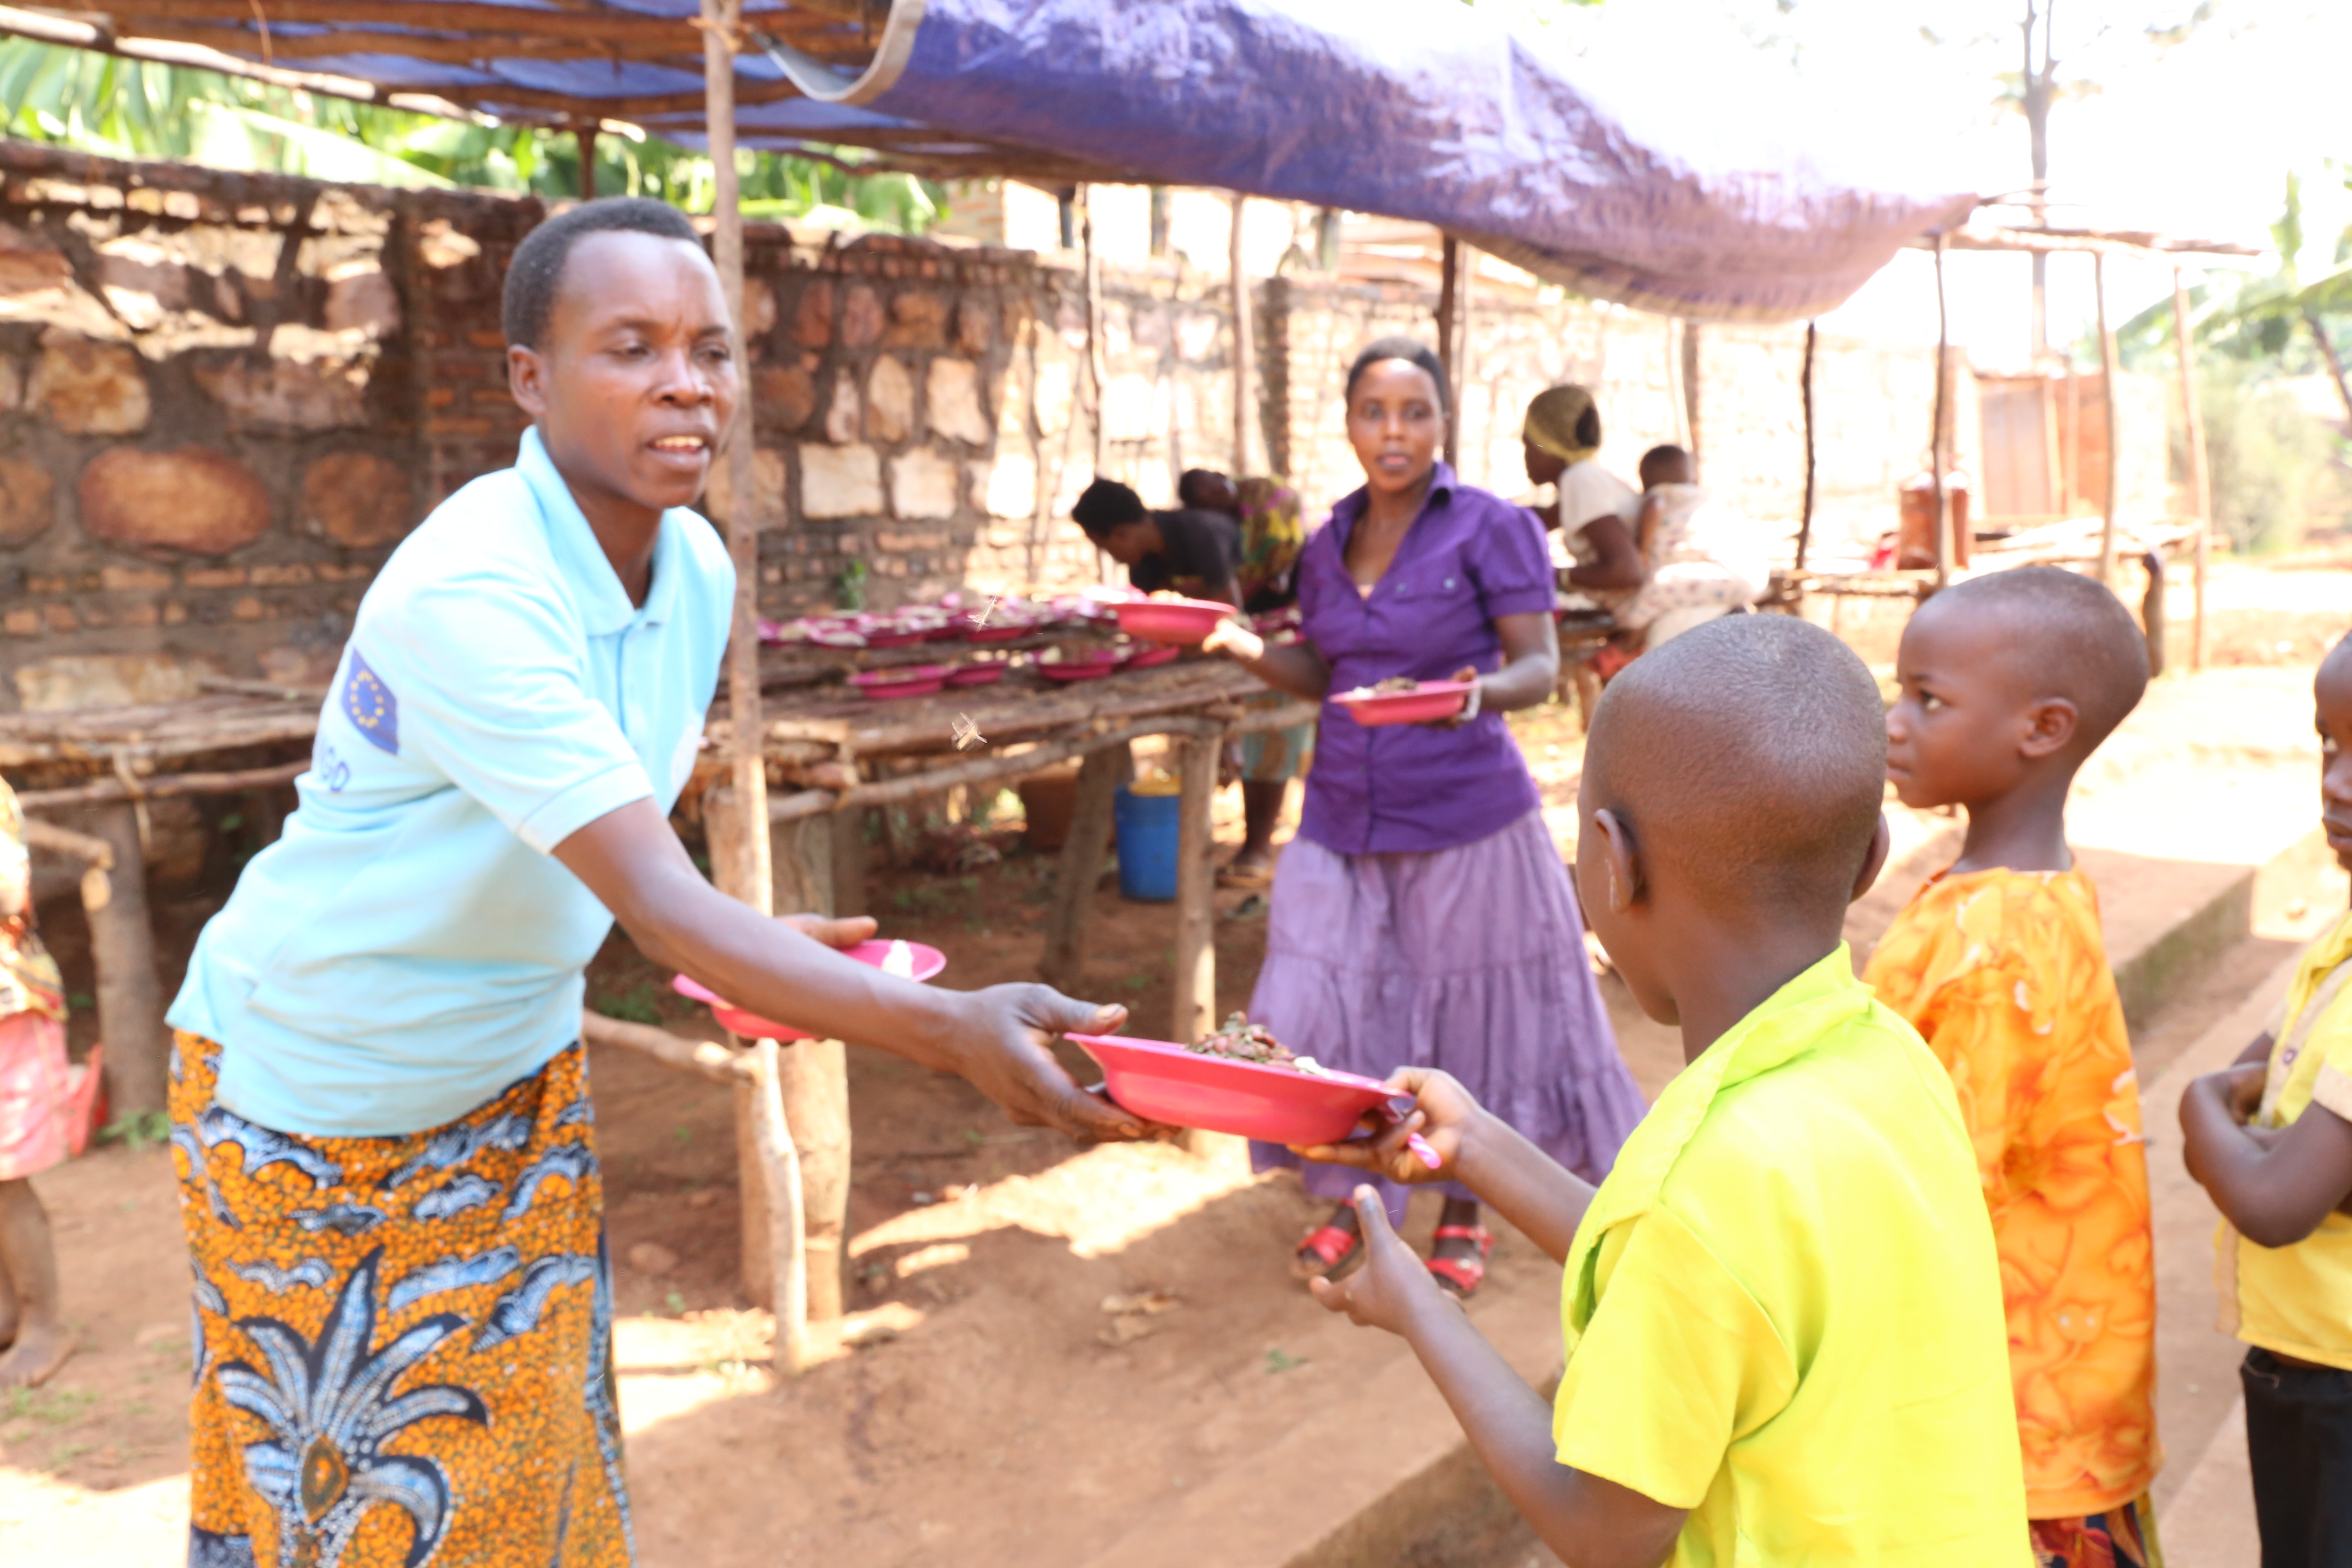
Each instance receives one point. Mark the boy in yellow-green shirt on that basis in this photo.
(1782, 1309)
(2271, 1139)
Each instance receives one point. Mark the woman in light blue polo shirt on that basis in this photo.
(379, 1097)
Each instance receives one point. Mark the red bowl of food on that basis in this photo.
(907, 960)
(976, 674)
(913, 681)
(1180, 621)
(1167, 1083)
(1428, 700)
(896, 636)
(1147, 658)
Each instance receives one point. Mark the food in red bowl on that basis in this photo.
(1171, 619)
(906, 960)
(1277, 1104)
(1403, 700)
(976, 674)
(911, 680)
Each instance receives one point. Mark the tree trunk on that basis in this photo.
(2335, 361)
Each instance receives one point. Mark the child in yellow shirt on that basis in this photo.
(1781, 1309)
(2009, 682)
(2271, 1139)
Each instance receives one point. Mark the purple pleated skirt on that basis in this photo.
(1470, 960)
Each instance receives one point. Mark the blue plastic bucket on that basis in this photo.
(1146, 845)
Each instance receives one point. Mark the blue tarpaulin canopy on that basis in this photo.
(1601, 177)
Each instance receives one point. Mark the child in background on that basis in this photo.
(2271, 1139)
(1705, 559)
(36, 1104)
(1782, 1307)
(2008, 683)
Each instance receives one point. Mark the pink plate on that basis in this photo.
(999, 631)
(1168, 1083)
(1145, 659)
(977, 674)
(896, 636)
(1183, 621)
(911, 680)
(1066, 672)
(1436, 700)
(919, 962)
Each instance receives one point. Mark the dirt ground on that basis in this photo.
(986, 1407)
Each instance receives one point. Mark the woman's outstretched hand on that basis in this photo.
(1230, 637)
(1443, 1112)
(1002, 1047)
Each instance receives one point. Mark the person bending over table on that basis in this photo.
(1593, 510)
(1198, 552)
(379, 1096)
(1423, 917)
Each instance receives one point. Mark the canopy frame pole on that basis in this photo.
(2201, 499)
(747, 873)
(1449, 345)
(1939, 456)
(1096, 375)
(1805, 389)
(584, 133)
(1244, 343)
(2109, 369)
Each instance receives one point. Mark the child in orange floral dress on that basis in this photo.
(2008, 683)
(36, 1102)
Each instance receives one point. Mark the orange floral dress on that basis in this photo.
(2005, 975)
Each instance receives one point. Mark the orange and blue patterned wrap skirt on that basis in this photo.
(403, 1346)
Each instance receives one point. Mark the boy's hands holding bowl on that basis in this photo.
(1443, 1113)
(1392, 1291)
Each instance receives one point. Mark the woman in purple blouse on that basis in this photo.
(1422, 916)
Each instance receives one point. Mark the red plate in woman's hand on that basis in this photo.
(907, 960)
(1181, 621)
(1431, 700)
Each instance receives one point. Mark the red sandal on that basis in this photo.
(1336, 1252)
(1463, 1276)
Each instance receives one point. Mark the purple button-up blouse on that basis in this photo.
(1469, 557)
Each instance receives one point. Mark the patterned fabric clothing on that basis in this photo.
(403, 1346)
(2121, 1537)
(28, 975)
(2004, 974)
(1271, 537)
(1271, 756)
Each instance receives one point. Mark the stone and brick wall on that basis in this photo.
(225, 398)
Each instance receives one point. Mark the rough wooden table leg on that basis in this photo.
(780, 1174)
(129, 992)
(753, 1179)
(1195, 989)
(813, 1080)
(1100, 777)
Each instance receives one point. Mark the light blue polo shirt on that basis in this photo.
(409, 948)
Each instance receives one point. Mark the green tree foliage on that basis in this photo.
(138, 109)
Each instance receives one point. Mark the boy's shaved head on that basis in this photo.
(1748, 758)
(2062, 634)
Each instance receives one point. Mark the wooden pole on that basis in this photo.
(2111, 372)
(1805, 387)
(813, 1077)
(122, 950)
(780, 1178)
(1449, 345)
(1245, 345)
(1100, 777)
(1939, 452)
(586, 136)
(1096, 375)
(2201, 499)
(1195, 1001)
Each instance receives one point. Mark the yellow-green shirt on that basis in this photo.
(1783, 1309)
(2297, 1299)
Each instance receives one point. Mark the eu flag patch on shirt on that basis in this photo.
(369, 703)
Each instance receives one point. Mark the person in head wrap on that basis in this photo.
(1593, 510)
(37, 1107)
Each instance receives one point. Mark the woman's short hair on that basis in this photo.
(1104, 505)
(537, 269)
(1410, 350)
